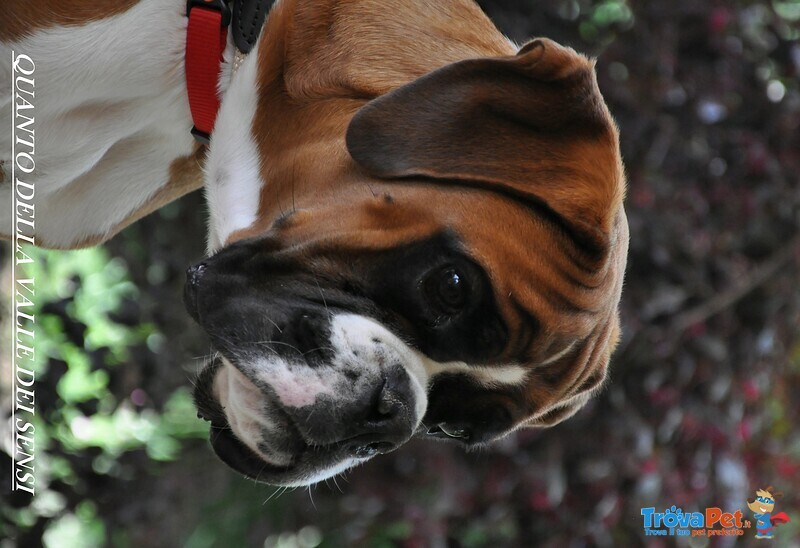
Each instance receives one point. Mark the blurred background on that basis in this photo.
(703, 402)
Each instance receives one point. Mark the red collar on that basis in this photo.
(206, 38)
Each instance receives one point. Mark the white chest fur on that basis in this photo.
(111, 115)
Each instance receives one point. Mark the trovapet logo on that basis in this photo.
(675, 522)
(714, 521)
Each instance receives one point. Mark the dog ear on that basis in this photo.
(533, 125)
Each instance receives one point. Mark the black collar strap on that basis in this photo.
(248, 18)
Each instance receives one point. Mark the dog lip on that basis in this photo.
(365, 450)
(207, 407)
(307, 463)
(241, 458)
(214, 418)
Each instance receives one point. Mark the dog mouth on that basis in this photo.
(312, 461)
(312, 465)
(309, 378)
(229, 448)
(302, 461)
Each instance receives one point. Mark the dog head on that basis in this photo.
(445, 260)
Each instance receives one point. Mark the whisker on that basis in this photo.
(322, 294)
(311, 497)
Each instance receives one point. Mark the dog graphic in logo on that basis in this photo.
(762, 506)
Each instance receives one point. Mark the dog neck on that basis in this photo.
(315, 64)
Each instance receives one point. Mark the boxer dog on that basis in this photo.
(416, 227)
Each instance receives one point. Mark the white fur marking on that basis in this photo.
(489, 376)
(354, 332)
(232, 180)
(296, 385)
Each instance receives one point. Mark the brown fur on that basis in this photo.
(23, 17)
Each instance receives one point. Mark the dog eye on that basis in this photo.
(446, 290)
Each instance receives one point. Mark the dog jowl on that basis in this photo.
(450, 262)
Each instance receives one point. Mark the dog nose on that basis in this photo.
(193, 276)
(194, 273)
(388, 419)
